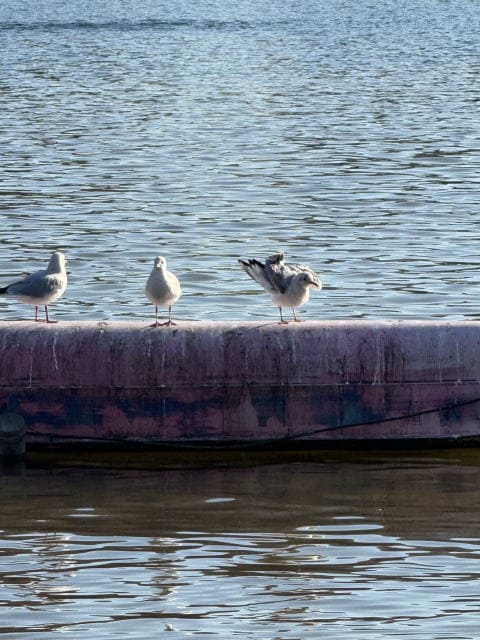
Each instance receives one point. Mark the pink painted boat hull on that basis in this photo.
(227, 384)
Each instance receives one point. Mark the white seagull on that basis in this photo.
(42, 287)
(162, 289)
(288, 284)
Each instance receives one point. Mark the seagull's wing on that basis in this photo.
(11, 288)
(36, 285)
(278, 272)
(275, 276)
(257, 271)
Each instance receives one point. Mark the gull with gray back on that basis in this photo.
(42, 287)
(288, 284)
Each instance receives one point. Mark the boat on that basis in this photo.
(230, 385)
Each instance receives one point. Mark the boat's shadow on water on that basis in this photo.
(265, 487)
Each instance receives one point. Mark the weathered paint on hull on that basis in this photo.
(225, 383)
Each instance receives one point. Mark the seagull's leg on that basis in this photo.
(282, 321)
(170, 321)
(37, 319)
(47, 319)
(295, 315)
(156, 323)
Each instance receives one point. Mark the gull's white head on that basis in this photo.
(57, 261)
(160, 262)
(309, 280)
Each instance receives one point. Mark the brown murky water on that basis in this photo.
(337, 545)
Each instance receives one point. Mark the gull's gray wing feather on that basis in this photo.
(277, 272)
(36, 285)
(282, 274)
(275, 276)
(256, 270)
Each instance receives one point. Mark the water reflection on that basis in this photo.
(351, 543)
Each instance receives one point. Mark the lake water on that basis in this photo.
(345, 133)
(343, 546)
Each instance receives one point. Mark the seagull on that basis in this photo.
(42, 287)
(162, 289)
(288, 284)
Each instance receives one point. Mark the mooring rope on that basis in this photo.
(303, 436)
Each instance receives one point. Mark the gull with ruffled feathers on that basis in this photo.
(288, 284)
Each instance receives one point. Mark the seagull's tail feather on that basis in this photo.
(3, 290)
(254, 268)
(276, 258)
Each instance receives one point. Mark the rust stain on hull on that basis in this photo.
(225, 383)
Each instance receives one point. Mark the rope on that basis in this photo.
(270, 441)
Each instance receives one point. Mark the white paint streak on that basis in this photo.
(31, 368)
(378, 373)
(54, 351)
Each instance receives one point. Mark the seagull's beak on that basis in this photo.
(313, 283)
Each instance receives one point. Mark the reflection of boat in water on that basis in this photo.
(411, 495)
(216, 384)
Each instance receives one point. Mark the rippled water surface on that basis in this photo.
(348, 546)
(344, 132)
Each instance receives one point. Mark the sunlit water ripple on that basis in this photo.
(291, 551)
(343, 133)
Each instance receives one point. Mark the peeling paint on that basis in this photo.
(247, 382)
